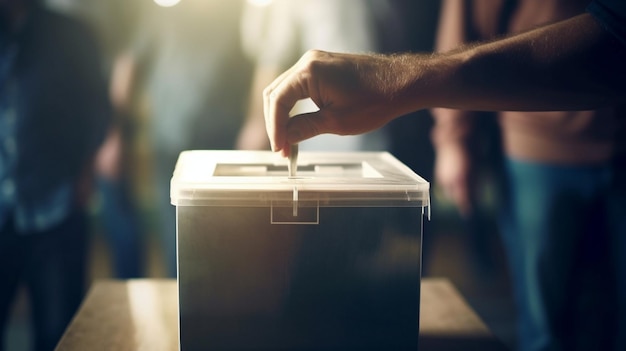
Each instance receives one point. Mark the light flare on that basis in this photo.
(166, 3)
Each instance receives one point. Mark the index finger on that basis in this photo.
(278, 99)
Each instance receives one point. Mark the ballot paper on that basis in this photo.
(293, 161)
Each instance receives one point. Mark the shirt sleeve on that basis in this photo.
(612, 15)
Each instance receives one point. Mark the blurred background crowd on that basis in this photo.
(188, 74)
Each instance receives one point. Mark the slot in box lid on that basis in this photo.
(259, 178)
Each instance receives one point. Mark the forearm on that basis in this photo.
(572, 65)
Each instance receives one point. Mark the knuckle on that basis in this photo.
(312, 54)
(313, 60)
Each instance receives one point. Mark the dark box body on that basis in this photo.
(343, 275)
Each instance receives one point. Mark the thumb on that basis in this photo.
(305, 126)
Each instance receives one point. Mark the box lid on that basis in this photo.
(259, 178)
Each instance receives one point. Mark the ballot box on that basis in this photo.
(328, 259)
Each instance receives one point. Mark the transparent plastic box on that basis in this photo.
(327, 260)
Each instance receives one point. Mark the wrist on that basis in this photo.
(425, 80)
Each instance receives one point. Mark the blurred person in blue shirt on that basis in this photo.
(53, 115)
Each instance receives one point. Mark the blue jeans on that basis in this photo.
(122, 228)
(564, 234)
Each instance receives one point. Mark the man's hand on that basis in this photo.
(355, 94)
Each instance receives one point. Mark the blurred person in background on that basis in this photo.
(558, 175)
(185, 68)
(116, 204)
(53, 116)
(117, 207)
(276, 33)
(110, 20)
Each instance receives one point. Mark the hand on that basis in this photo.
(453, 174)
(108, 161)
(355, 94)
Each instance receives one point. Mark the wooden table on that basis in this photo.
(142, 314)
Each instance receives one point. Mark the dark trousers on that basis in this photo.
(51, 265)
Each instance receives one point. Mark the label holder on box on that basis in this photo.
(295, 212)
